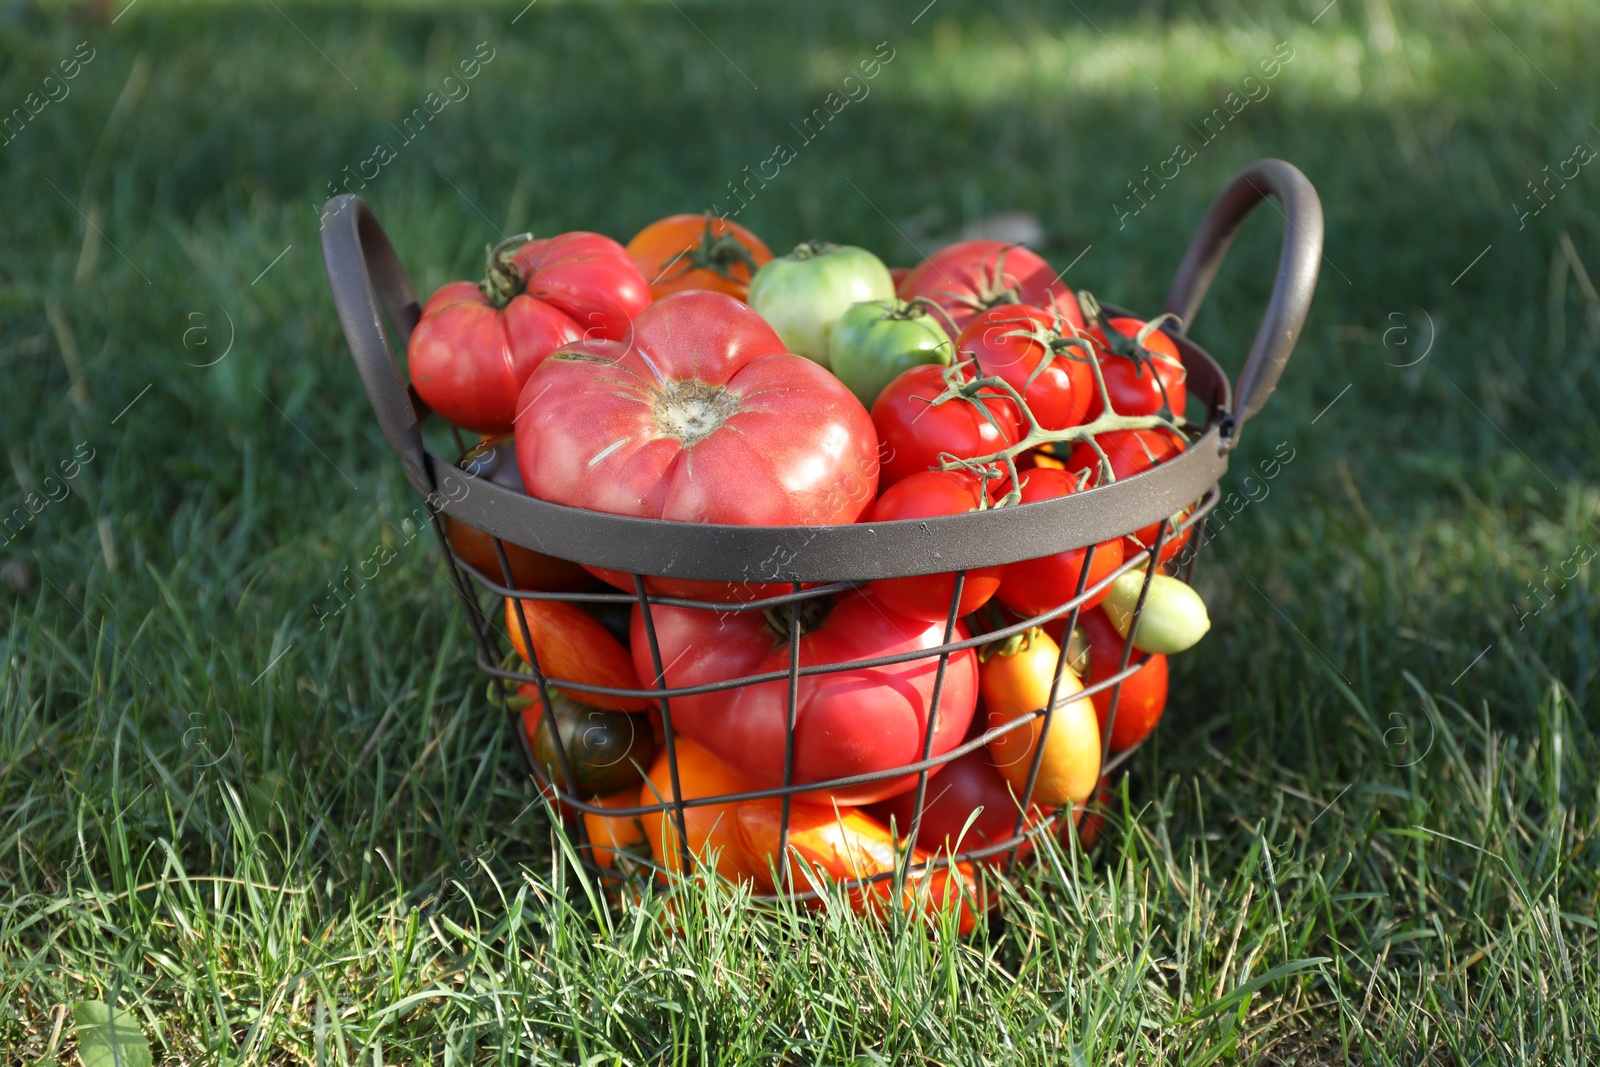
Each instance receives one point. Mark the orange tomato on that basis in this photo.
(1016, 685)
(844, 844)
(575, 647)
(611, 834)
(710, 827)
(697, 252)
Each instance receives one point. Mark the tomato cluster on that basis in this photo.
(692, 376)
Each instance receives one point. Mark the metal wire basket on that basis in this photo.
(821, 561)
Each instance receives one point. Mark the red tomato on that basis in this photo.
(697, 252)
(573, 646)
(846, 844)
(1035, 586)
(1131, 451)
(969, 787)
(475, 345)
(1141, 379)
(972, 276)
(1144, 693)
(703, 417)
(846, 723)
(914, 431)
(920, 496)
(1012, 340)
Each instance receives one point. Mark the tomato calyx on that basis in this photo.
(502, 278)
(991, 289)
(813, 249)
(689, 410)
(1057, 340)
(718, 253)
(1009, 646)
(1130, 347)
(809, 614)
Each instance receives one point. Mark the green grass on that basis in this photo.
(1366, 830)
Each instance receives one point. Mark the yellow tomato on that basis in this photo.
(1015, 685)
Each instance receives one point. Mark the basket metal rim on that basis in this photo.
(853, 552)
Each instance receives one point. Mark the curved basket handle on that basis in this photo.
(1298, 262)
(362, 270)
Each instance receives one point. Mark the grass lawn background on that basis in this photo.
(1366, 828)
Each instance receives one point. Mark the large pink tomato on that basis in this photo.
(849, 722)
(477, 343)
(969, 277)
(703, 417)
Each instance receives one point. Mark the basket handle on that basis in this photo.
(362, 271)
(1298, 262)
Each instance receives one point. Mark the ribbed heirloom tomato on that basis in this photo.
(697, 252)
(703, 417)
(969, 277)
(477, 343)
(849, 722)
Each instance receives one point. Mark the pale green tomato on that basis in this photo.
(1174, 617)
(802, 294)
(873, 342)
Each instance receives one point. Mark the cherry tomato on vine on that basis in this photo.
(1013, 340)
(1035, 586)
(913, 431)
(921, 496)
(1140, 379)
(970, 277)
(697, 252)
(475, 345)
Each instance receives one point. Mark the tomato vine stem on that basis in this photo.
(1055, 344)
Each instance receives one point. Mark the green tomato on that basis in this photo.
(874, 341)
(802, 294)
(1174, 617)
(605, 748)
